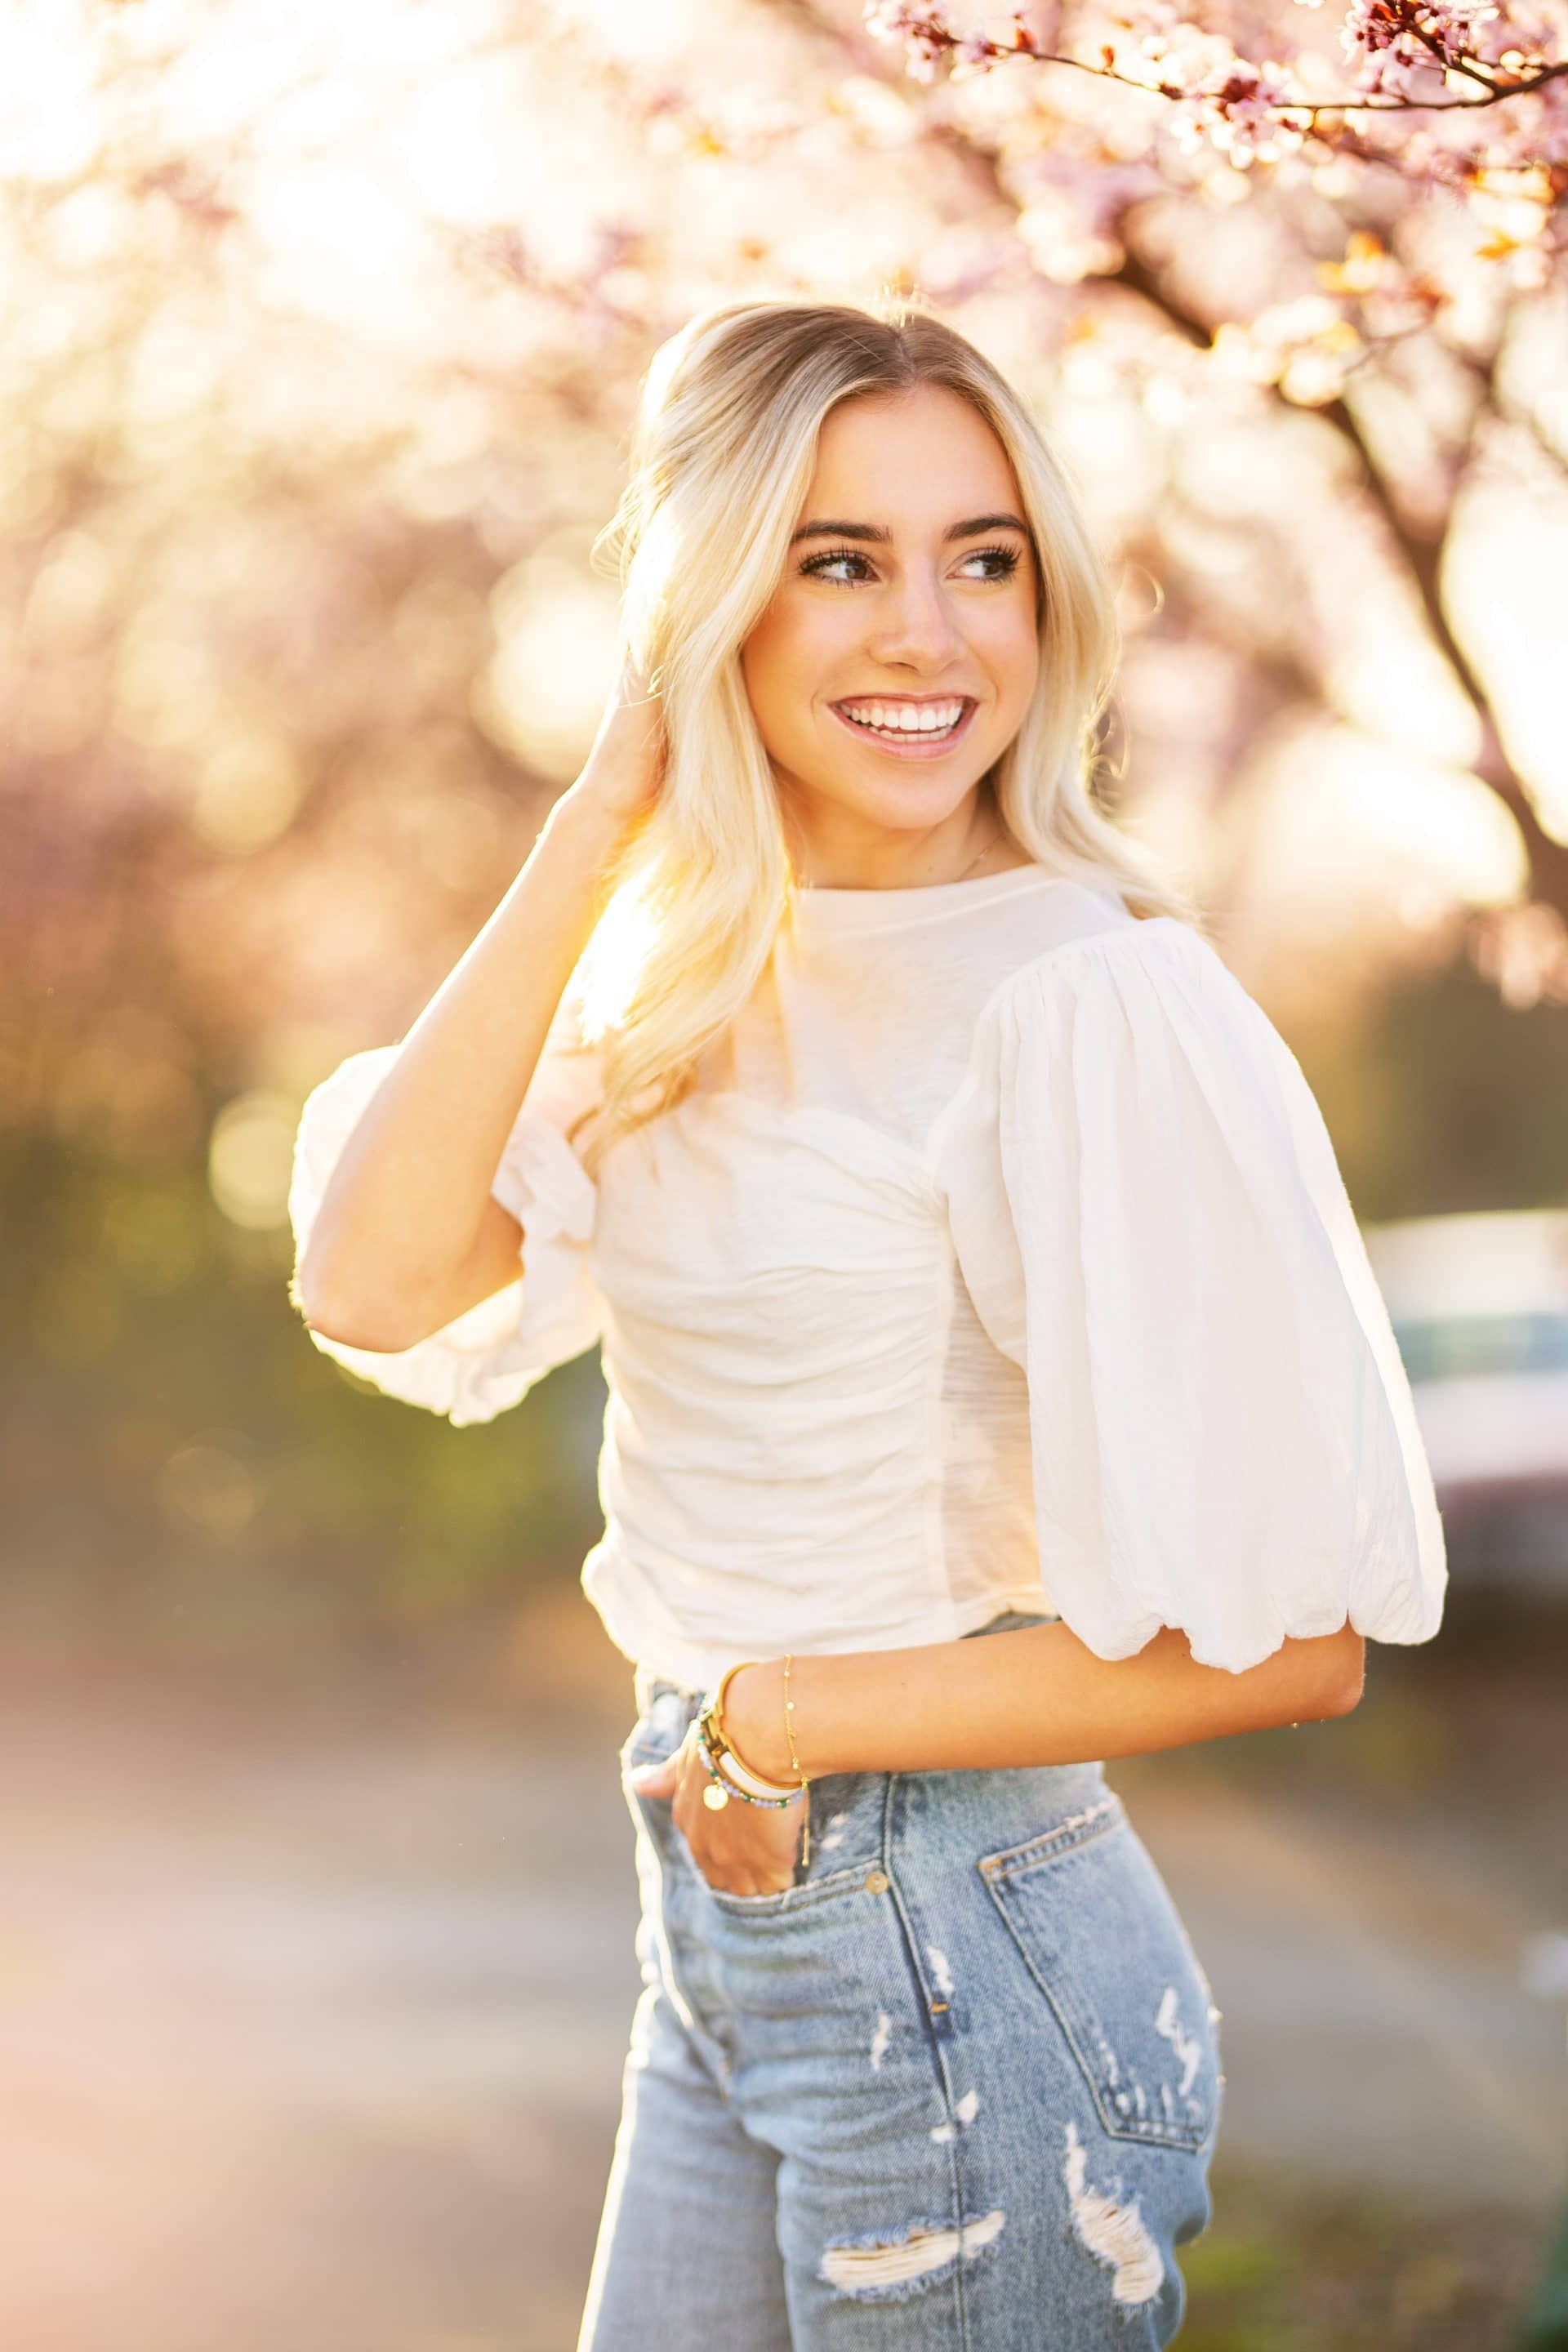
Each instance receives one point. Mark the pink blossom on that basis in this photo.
(925, 32)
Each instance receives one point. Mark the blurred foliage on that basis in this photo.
(1442, 1097)
(1295, 2266)
(186, 1472)
(1546, 2328)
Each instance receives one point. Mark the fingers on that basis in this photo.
(739, 1859)
(723, 1845)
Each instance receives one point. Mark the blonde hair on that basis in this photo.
(722, 457)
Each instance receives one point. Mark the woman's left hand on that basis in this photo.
(739, 1848)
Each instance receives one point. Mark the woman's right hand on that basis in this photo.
(624, 772)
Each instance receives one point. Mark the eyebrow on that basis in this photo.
(970, 529)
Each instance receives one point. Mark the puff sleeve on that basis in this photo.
(490, 1356)
(1147, 1210)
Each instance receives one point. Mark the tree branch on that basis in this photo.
(934, 38)
(1421, 553)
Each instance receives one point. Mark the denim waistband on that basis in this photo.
(649, 1686)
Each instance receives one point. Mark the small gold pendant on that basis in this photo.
(715, 1799)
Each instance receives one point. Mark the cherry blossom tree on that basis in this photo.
(1357, 215)
(322, 330)
(323, 336)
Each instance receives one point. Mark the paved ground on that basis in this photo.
(311, 2040)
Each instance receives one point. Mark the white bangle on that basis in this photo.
(752, 1783)
(729, 1765)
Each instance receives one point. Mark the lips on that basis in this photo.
(903, 724)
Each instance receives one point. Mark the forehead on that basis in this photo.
(908, 460)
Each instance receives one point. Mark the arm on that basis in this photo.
(1035, 1697)
(408, 1235)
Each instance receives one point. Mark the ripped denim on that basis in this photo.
(954, 2090)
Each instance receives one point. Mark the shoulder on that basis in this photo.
(1081, 937)
(1043, 960)
(1097, 991)
(1138, 1022)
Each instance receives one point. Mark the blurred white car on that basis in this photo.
(1479, 1307)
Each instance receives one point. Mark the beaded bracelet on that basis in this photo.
(736, 1773)
(743, 1779)
(724, 1763)
(727, 1769)
(723, 1788)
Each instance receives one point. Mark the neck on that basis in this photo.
(830, 850)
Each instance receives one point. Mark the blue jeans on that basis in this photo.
(954, 2090)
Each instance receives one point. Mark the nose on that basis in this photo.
(915, 627)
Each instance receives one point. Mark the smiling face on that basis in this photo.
(899, 654)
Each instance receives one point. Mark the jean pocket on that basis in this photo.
(655, 1734)
(1101, 1937)
(807, 1891)
(847, 1814)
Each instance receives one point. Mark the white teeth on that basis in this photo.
(905, 718)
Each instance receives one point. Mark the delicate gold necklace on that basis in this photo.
(974, 861)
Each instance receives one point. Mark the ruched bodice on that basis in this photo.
(998, 1258)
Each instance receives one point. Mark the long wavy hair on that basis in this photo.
(722, 456)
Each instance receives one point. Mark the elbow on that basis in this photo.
(305, 1292)
(348, 1322)
(1345, 1673)
(312, 1292)
(1311, 1679)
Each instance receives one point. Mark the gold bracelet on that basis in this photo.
(714, 1715)
(795, 1760)
(715, 1722)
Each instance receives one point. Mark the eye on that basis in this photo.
(1005, 560)
(815, 566)
(1004, 557)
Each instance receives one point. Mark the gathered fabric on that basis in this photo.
(997, 1259)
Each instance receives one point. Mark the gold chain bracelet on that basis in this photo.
(795, 1760)
(714, 1744)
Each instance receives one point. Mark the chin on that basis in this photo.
(910, 800)
(904, 807)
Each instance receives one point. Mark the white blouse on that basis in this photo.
(999, 1258)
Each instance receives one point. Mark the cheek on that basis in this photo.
(1013, 659)
(762, 658)
(781, 663)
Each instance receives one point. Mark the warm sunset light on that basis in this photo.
(998, 1271)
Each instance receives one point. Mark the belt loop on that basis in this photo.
(649, 1686)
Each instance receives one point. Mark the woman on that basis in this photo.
(970, 1258)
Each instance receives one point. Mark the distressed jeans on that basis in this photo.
(954, 2090)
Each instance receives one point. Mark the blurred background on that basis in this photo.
(322, 330)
